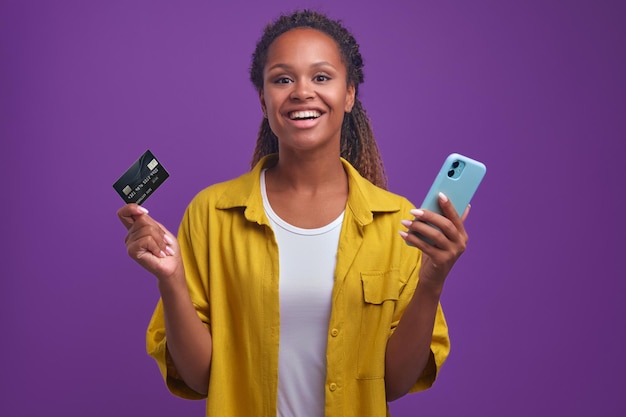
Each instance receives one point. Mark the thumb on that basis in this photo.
(129, 213)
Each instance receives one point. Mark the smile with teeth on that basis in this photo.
(304, 115)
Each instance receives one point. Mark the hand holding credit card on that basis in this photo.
(141, 179)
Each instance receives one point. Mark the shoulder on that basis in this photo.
(384, 196)
(226, 194)
(366, 197)
(242, 191)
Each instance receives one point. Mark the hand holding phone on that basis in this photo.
(458, 179)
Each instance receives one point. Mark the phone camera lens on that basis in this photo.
(451, 173)
(455, 164)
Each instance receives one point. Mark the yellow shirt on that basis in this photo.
(231, 264)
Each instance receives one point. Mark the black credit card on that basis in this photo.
(141, 179)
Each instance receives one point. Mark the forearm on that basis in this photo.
(188, 340)
(408, 349)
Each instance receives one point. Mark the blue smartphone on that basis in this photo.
(458, 179)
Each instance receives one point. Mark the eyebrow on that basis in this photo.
(316, 65)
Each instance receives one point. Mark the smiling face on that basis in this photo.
(305, 91)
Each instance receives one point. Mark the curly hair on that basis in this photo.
(358, 145)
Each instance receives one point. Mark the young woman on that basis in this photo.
(289, 291)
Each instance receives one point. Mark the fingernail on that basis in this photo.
(406, 223)
(162, 254)
(168, 240)
(417, 212)
(143, 210)
(403, 234)
(169, 251)
(443, 197)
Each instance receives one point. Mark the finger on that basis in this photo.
(433, 242)
(450, 213)
(466, 212)
(171, 244)
(146, 228)
(428, 233)
(438, 230)
(412, 239)
(447, 208)
(143, 245)
(170, 240)
(129, 213)
(144, 249)
(169, 236)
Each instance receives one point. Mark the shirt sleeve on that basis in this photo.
(440, 342)
(192, 241)
(439, 350)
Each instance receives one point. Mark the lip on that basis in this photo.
(302, 109)
(304, 123)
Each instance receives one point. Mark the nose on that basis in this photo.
(302, 90)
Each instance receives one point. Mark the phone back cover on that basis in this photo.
(459, 190)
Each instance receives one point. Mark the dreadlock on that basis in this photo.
(358, 145)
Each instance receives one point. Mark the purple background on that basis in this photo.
(535, 89)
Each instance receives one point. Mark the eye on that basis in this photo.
(321, 78)
(282, 80)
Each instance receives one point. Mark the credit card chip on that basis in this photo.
(152, 164)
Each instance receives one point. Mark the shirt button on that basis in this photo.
(332, 386)
(334, 332)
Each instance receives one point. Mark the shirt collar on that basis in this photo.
(364, 198)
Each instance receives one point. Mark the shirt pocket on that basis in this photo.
(380, 293)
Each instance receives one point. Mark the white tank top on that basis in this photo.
(307, 259)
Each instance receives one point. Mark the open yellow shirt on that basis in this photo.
(231, 265)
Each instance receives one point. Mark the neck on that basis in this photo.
(308, 174)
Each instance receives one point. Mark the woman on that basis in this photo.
(288, 291)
